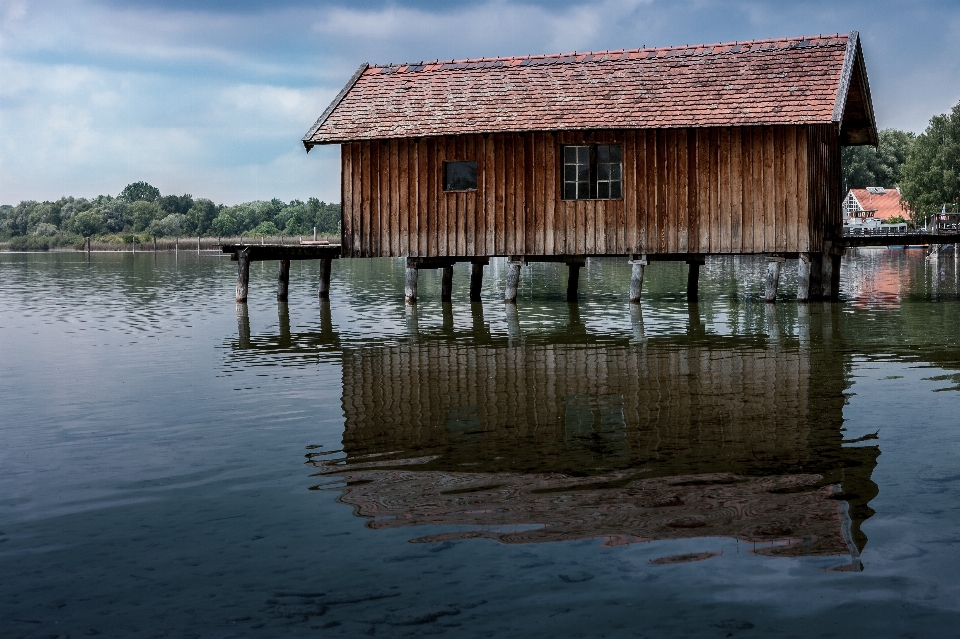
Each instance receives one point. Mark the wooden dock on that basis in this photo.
(910, 238)
(243, 254)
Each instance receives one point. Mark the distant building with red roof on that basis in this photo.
(873, 202)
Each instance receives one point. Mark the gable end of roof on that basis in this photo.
(855, 128)
(307, 143)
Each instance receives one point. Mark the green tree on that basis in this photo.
(931, 174)
(266, 229)
(88, 223)
(143, 214)
(865, 166)
(176, 204)
(224, 224)
(139, 192)
(201, 215)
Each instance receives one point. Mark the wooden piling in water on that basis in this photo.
(573, 281)
(410, 289)
(803, 278)
(773, 279)
(446, 284)
(636, 278)
(693, 279)
(243, 274)
(513, 281)
(476, 281)
(283, 281)
(324, 292)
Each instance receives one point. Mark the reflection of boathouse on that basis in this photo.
(658, 440)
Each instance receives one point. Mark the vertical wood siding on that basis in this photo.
(769, 189)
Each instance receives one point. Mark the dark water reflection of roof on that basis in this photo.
(570, 435)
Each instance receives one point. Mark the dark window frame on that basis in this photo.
(591, 171)
(445, 181)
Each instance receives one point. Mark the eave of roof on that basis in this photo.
(723, 84)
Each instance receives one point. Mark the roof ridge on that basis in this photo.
(738, 46)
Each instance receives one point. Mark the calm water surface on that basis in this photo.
(173, 465)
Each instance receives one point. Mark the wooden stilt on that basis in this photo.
(836, 260)
(413, 323)
(573, 281)
(446, 284)
(816, 276)
(243, 274)
(88, 246)
(476, 313)
(410, 290)
(636, 278)
(636, 322)
(513, 322)
(283, 320)
(326, 320)
(513, 281)
(693, 280)
(324, 291)
(446, 313)
(476, 281)
(773, 279)
(283, 281)
(243, 326)
(803, 278)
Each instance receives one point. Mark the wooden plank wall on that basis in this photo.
(709, 191)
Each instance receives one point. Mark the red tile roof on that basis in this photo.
(787, 81)
(884, 206)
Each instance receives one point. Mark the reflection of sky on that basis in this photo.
(212, 98)
(128, 422)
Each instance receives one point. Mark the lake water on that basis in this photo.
(175, 465)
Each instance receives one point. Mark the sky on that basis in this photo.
(212, 98)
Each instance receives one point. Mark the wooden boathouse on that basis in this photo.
(669, 153)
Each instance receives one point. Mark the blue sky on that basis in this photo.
(212, 98)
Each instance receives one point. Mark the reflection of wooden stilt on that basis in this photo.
(283, 281)
(476, 281)
(513, 281)
(410, 290)
(324, 291)
(413, 324)
(636, 278)
(773, 279)
(513, 321)
(446, 284)
(326, 320)
(573, 281)
(243, 274)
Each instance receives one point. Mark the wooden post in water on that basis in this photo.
(198, 245)
(283, 280)
(243, 326)
(573, 281)
(831, 273)
(513, 281)
(476, 281)
(133, 245)
(803, 278)
(816, 276)
(693, 279)
(773, 278)
(636, 278)
(446, 284)
(324, 291)
(88, 247)
(243, 274)
(410, 290)
(154, 243)
(176, 246)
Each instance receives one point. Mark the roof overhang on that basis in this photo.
(853, 109)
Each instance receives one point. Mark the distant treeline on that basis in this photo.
(925, 167)
(140, 210)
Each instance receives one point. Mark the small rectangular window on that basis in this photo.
(460, 176)
(593, 172)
